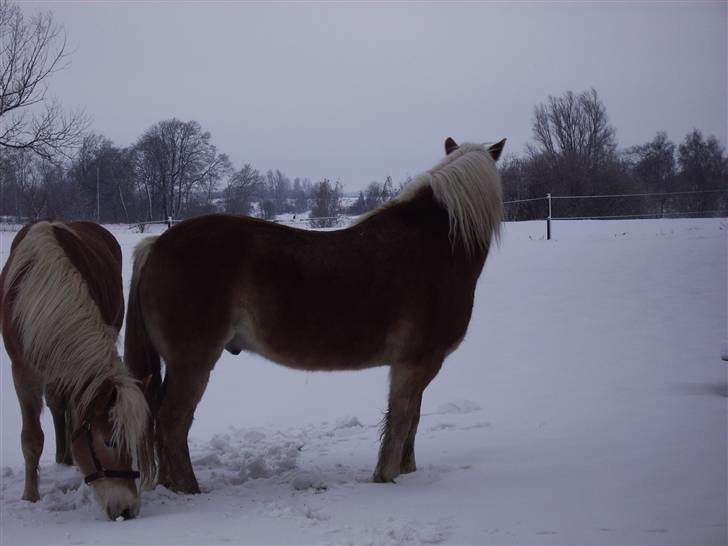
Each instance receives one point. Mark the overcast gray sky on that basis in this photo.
(356, 91)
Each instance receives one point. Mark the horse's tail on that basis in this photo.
(142, 358)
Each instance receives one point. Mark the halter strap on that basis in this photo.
(101, 472)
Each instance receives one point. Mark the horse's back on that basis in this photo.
(93, 252)
(307, 299)
(96, 254)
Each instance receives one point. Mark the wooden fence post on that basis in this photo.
(548, 220)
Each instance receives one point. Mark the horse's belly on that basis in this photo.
(306, 348)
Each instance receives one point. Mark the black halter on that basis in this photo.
(101, 472)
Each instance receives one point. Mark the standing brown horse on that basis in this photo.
(396, 289)
(61, 308)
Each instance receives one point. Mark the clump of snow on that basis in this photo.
(618, 387)
(242, 455)
(254, 436)
(309, 480)
(347, 422)
(211, 459)
(459, 407)
(394, 532)
(220, 442)
(67, 495)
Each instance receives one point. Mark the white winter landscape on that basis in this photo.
(587, 405)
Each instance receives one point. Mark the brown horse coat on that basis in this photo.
(61, 308)
(394, 289)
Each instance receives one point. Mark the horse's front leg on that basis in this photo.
(30, 395)
(183, 388)
(57, 404)
(407, 383)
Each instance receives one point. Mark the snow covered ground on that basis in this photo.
(587, 405)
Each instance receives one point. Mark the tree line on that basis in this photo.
(574, 153)
(51, 166)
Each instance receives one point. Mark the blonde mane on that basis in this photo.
(467, 185)
(63, 335)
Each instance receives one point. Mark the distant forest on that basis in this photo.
(51, 166)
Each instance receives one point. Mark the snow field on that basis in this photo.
(587, 405)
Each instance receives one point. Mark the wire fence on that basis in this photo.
(316, 222)
(612, 195)
(645, 207)
(667, 205)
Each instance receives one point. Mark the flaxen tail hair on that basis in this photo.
(63, 334)
(142, 358)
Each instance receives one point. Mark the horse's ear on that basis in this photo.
(450, 146)
(496, 149)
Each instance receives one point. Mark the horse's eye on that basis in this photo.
(109, 444)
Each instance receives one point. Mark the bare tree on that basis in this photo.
(243, 186)
(29, 180)
(574, 128)
(653, 163)
(104, 177)
(703, 167)
(326, 200)
(277, 191)
(359, 206)
(575, 149)
(301, 191)
(173, 158)
(701, 161)
(30, 52)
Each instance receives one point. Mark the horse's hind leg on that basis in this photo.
(30, 395)
(407, 382)
(57, 404)
(408, 452)
(183, 387)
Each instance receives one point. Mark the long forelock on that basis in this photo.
(467, 185)
(129, 414)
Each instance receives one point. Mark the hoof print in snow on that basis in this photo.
(309, 480)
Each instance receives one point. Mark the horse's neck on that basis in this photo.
(423, 214)
(420, 206)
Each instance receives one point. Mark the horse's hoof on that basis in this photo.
(31, 497)
(187, 489)
(380, 477)
(408, 468)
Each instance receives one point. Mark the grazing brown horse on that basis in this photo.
(61, 308)
(396, 289)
